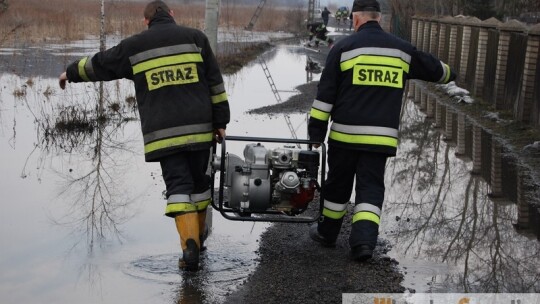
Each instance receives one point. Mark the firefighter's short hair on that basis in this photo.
(153, 7)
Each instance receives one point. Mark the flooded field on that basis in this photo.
(83, 222)
(82, 216)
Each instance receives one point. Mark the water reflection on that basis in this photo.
(93, 130)
(438, 213)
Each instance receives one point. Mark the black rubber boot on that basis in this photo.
(190, 258)
(317, 237)
(361, 253)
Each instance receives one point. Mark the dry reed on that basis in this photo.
(34, 21)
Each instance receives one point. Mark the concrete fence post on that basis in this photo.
(411, 90)
(477, 150)
(449, 125)
(417, 93)
(423, 100)
(496, 169)
(527, 111)
(465, 45)
(452, 45)
(420, 34)
(414, 30)
(505, 31)
(430, 107)
(482, 53)
(427, 31)
(461, 128)
(438, 113)
(434, 36)
(442, 40)
(523, 221)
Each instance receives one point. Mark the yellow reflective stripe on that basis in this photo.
(178, 141)
(82, 70)
(168, 60)
(320, 115)
(333, 214)
(180, 207)
(219, 98)
(171, 75)
(364, 139)
(447, 71)
(375, 60)
(366, 216)
(202, 205)
(377, 76)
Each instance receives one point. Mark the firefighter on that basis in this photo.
(361, 90)
(325, 15)
(318, 30)
(183, 107)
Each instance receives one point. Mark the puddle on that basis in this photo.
(449, 233)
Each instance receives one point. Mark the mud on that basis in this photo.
(295, 269)
(300, 103)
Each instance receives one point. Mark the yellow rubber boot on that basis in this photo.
(187, 225)
(203, 230)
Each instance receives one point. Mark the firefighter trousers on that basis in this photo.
(186, 181)
(344, 167)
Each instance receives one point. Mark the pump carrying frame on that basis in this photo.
(267, 215)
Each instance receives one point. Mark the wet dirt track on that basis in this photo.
(294, 269)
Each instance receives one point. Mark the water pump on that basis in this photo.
(275, 184)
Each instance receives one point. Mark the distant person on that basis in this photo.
(361, 91)
(318, 31)
(325, 14)
(183, 107)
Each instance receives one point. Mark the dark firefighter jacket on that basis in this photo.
(361, 89)
(317, 28)
(179, 88)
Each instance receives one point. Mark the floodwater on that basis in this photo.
(446, 230)
(82, 213)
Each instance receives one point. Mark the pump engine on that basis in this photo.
(281, 180)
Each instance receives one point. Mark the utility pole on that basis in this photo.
(211, 21)
(311, 8)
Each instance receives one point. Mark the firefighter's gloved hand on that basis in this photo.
(219, 134)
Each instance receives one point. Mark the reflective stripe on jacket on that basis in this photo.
(361, 89)
(180, 93)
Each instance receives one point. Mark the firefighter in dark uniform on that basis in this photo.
(318, 30)
(182, 105)
(325, 14)
(361, 90)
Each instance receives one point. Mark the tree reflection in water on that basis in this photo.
(436, 210)
(89, 126)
